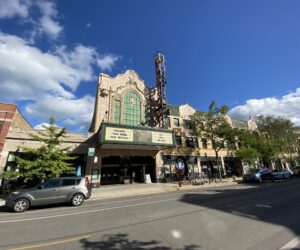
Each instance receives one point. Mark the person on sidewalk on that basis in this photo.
(132, 177)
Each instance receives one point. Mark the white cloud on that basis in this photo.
(81, 58)
(106, 62)
(47, 80)
(72, 112)
(42, 126)
(25, 70)
(14, 8)
(47, 23)
(287, 107)
(42, 15)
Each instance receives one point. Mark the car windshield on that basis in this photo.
(254, 170)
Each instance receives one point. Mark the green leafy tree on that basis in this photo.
(248, 155)
(281, 134)
(258, 145)
(214, 127)
(49, 160)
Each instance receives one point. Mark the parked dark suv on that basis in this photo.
(73, 190)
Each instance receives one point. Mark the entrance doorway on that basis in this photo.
(117, 170)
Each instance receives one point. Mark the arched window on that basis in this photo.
(132, 109)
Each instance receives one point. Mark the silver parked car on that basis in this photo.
(282, 173)
(55, 190)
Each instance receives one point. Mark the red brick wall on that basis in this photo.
(7, 112)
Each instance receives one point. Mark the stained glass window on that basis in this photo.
(132, 109)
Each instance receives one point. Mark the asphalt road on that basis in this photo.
(262, 216)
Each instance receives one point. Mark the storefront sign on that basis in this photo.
(162, 138)
(119, 134)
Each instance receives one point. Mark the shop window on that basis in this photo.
(178, 140)
(176, 122)
(204, 143)
(132, 109)
(117, 112)
(192, 165)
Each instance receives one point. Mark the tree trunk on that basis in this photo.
(219, 167)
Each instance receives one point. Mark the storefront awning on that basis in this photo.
(114, 136)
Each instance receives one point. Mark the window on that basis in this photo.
(187, 124)
(191, 142)
(51, 183)
(176, 122)
(204, 143)
(178, 140)
(70, 182)
(167, 122)
(1, 124)
(132, 109)
(117, 111)
(202, 126)
(11, 164)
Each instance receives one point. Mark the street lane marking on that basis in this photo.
(35, 211)
(86, 212)
(291, 244)
(46, 244)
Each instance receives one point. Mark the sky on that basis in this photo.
(244, 54)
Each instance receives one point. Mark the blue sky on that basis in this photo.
(245, 54)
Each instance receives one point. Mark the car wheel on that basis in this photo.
(20, 205)
(77, 200)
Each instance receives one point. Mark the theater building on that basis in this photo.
(120, 147)
(127, 151)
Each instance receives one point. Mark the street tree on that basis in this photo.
(255, 145)
(49, 160)
(248, 155)
(213, 126)
(281, 132)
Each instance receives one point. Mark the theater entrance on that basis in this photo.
(126, 170)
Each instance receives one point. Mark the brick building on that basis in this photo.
(15, 133)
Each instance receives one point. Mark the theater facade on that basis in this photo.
(121, 147)
(127, 151)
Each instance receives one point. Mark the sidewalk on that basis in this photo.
(114, 191)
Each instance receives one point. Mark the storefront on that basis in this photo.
(210, 166)
(172, 163)
(127, 153)
(233, 166)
